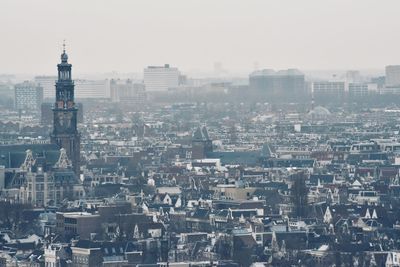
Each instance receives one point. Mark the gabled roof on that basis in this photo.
(12, 156)
(200, 214)
(87, 244)
(117, 248)
(236, 157)
(323, 178)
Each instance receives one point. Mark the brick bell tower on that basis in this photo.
(65, 133)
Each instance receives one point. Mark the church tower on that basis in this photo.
(65, 133)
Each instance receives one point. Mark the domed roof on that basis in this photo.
(320, 111)
(64, 57)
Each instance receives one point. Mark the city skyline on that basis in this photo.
(127, 36)
(153, 133)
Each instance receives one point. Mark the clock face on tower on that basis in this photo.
(64, 122)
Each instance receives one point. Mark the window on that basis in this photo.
(258, 238)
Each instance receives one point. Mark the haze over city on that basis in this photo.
(208, 133)
(126, 35)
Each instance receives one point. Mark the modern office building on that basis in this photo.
(127, 92)
(362, 89)
(89, 89)
(47, 83)
(353, 76)
(390, 90)
(161, 78)
(379, 81)
(328, 90)
(393, 76)
(28, 96)
(358, 89)
(285, 84)
(46, 114)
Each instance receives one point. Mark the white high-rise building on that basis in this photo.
(92, 89)
(127, 92)
(28, 96)
(328, 88)
(161, 78)
(393, 76)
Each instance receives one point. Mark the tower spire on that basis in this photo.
(65, 133)
(64, 56)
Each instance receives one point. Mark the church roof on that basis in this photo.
(236, 157)
(12, 156)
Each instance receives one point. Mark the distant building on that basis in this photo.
(379, 81)
(393, 76)
(327, 90)
(47, 83)
(353, 76)
(46, 114)
(394, 90)
(77, 223)
(28, 96)
(287, 84)
(161, 78)
(358, 89)
(127, 92)
(85, 89)
(201, 143)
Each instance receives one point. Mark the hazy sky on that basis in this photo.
(127, 35)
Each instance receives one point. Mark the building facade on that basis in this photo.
(28, 96)
(392, 76)
(284, 84)
(43, 186)
(86, 254)
(358, 90)
(127, 92)
(328, 90)
(89, 89)
(161, 78)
